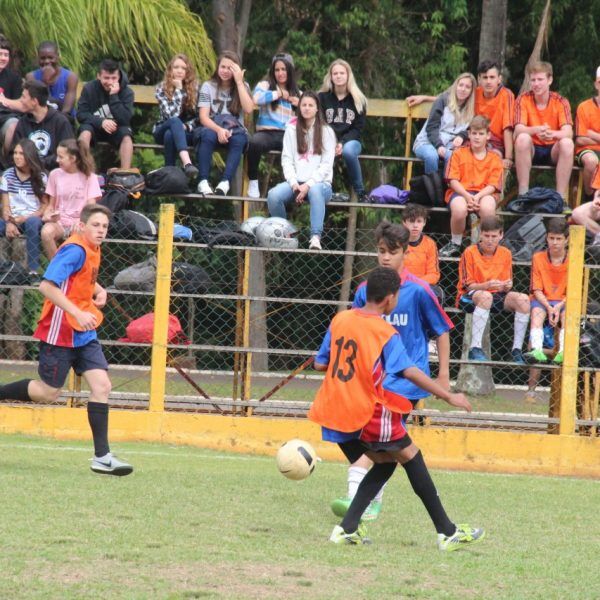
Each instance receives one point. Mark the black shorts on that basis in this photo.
(393, 446)
(56, 361)
(114, 139)
(353, 449)
(498, 298)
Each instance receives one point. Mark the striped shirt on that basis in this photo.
(21, 197)
(269, 117)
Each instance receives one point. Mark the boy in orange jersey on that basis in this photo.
(421, 257)
(355, 412)
(474, 176)
(588, 214)
(67, 333)
(543, 130)
(549, 291)
(485, 285)
(587, 135)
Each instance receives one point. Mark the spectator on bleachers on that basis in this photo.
(496, 102)
(474, 177)
(485, 285)
(70, 187)
(543, 130)
(24, 201)
(345, 109)
(588, 214)
(421, 257)
(11, 87)
(61, 82)
(177, 95)
(587, 135)
(43, 125)
(222, 102)
(105, 109)
(277, 99)
(446, 128)
(549, 291)
(307, 163)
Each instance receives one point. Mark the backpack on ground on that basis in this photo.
(140, 277)
(427, 190)
(115, 200)
(13, 273)
(189, 279)
(525, 237)
(166, 180)
(132, 225)
(537, 200)
(389, 194)
(140, 331)
(130, 181)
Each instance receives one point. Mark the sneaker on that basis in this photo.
(110, 465)
(558, 359)
(532, 397)
(449, 250)
(372, 511)
(463, 536)
(253, 191)
(34, 278)
(535, 356)
(190, 171)
(339, 536)
(315, 243)
(204, 188)
(340, 197)
(222, 188)
(340, 506)
(432, 349)
(364, 198)
(477, 354)
(517, 356)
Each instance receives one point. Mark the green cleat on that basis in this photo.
(372, 511)
(558, 359)
(464, 535)
(340, 507)
(535, 356)
(339, 536)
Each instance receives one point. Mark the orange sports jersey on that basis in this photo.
(472, 173)
(549, 279)
(421, 259)
(347, 397)
(588, 117)
(474, 267)
(556, 114)
(596, 179)
(499, 110)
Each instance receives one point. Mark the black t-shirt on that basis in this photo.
(12, 86)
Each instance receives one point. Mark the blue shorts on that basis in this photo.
(542, 155)
(56, 361)
(536, 304)
(467, 304)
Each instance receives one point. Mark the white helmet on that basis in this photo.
(250, 224)
(276, 232)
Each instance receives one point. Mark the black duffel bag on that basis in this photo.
(166, 180)
(189, 279)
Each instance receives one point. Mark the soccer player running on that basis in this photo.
(67, 333)
(417, 316)
(355, 412)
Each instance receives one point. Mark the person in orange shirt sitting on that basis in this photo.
(485, 285)
(474, 177)
(587, 136)
(549, 291)
(588, 214)
(543, 130)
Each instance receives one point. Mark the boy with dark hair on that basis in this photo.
(10, 92)
(496, 102)
(105, 109)
(365, 347)
(485, 285)
(588, 214)
(44, 126)
(474, 177)
(587, 135)
(421, 257)
(549, 291)
(67, 333)
(543, 130)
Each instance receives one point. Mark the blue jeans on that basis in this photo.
(31, 228)
(175, 138)
(318, 196)
(350, 152)
(208, 143)
(429, 155)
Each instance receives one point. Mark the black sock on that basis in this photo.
(98, 420)
(15, 391)
(423, 486)
(374, 480)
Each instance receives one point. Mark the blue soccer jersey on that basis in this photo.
(417, 317)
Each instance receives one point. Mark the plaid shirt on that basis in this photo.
(174, 107)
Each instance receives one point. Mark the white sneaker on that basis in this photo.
(315, 243)
(110, 465)
(253, 191)
(222, 188)
(432, 347)
(204, 187)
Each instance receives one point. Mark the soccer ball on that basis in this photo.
(296, 459)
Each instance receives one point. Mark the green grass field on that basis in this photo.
(190, 523)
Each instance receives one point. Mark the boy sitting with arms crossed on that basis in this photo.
(549, 291)
(474, 176)
(485, 285)
(355, 413)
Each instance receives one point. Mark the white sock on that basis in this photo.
(457, 238)
(561, 341)
(597, 239)
(355, 476)
(521, 321)
(536, 337)
(379, 496)
(480, 317)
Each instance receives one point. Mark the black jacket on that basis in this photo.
(96, 104)
(11, 85)
(342, 116)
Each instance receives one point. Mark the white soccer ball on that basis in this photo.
(296, 459)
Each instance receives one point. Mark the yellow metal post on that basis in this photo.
(158, 369)
(568, 390)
